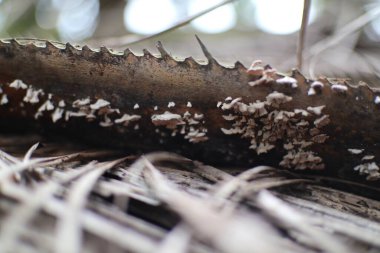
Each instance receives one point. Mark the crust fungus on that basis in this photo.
(371, 170)
(18, 84)
(301, 160)
(167, 119)
(126, 119)
(355, 151)
(32, 95)
(276, 98)
(339, 88)
(4, 99)
(81, 102)
(265, 123)
(57, 114)
(288, 80)
(317, 110)
(322, 121)
(100, 103)
(256, 68)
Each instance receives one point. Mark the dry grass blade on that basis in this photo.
(29, 153)
(227, 233)
(138, 166)
(92, 222)
(228, 188)
(211, 173)
(339, 222)
(236, 227)
(177, 240)
(18, 219)
(10, 169)
(290, 218)
(302, 33)
(21, 216)
(69, 232)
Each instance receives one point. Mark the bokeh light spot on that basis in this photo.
(279, 16)
(149, 16)
(217, 21)
(75, 20)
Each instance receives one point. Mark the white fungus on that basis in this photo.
(355, 151)
(126, 119)
(322, 121)
(302, 112)
(301, 160)
(368, 157)
(228, 106)
(369, 169)
(32, 96)
(317, 110)
(189, 105)
(107, 122)
(311, 92)
(47, 106)
(377, 100)
(4, 99)
(136, 106)
(99, 104)
(232, 131)
(264, 148)
(229, 117)
(168, 119)
(339, 88)
(276, 98)
(57, 114)
(198, 116)
(256, 69)
(171, 104)
(81, 102)
(288, 80)
(61, 103)
(69, 114)
(317, 85)
(18, 84)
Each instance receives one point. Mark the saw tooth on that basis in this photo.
(363, 90)
(50, 47)
(86, 51)
(163, 52)
(191, 62)
(239, 66)
(296, 73)
(105, 52)
(14, 43)
(211, 60)
(128, 52)
(70, 48)
(299, 76)
(147, 54)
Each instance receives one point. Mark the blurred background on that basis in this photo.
(343, 37)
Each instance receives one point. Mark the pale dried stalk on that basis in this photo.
(302, 33)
